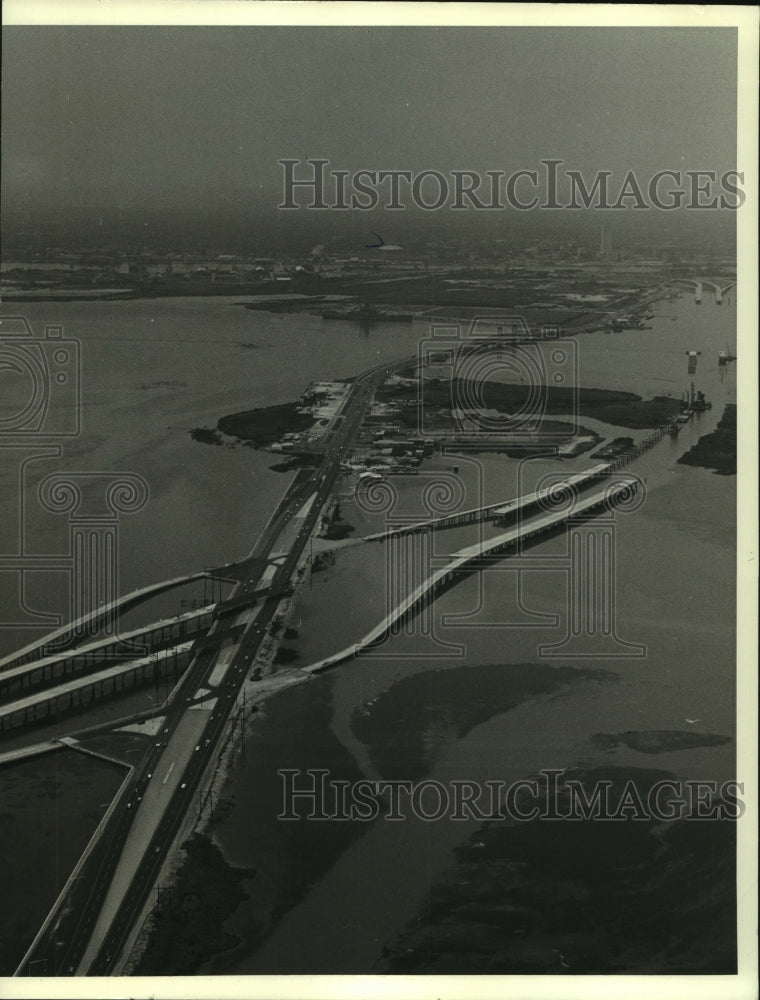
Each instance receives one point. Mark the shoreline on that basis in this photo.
(717, 450)
(201, 827)
(271, 680)
(287, 682)
(302, 296)
(196, 837)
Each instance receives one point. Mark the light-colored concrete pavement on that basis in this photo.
(155, 799)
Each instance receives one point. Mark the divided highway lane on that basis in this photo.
(59, 950)
(183, 798)
(184, 795)
(62, 947)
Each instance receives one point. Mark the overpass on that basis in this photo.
(70, 634)
(79, 692)
(698, 284)
(502, 510)
(95, 942)
(498, 509)
(168, 631)
(226, 608)
(470, 560)
(175, 633)
(69, 938)
(720, 290)
(74, 941)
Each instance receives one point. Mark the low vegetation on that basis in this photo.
(267, 424)
(716, 451)
(188, 926)
(622, 409)
(206, 435)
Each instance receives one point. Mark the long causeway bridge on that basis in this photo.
(127, 645)
(502, 511)
(475, 557)
(73, 633)
(79, 692)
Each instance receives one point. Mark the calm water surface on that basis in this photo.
(154, 369)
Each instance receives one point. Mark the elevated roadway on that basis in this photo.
(68, 951)
(80, 691)
(146, 639)
(469, 560)
(73, 632)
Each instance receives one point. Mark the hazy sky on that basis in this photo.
(193, 120)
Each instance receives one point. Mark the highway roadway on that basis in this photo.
(62, 948)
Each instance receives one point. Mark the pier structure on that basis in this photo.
(141, 641)
(81, 691)
(472, 559)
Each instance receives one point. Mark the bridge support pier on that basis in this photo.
(409, 561)
(591, 605)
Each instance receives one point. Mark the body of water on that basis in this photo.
(152, 370)
(675, 571)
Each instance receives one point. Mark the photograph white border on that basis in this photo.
(745, 19)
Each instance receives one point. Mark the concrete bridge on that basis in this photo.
(224, 609)
(87, 625)
(504, 510)
(491, 512)
(24, 753)
(720, 290)
(177, 639)
(147, 639)
(698, 284)
(79, 692)
(472, 559)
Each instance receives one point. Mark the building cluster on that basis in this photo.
(340, 258)
(321, 401)
(384, 447)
